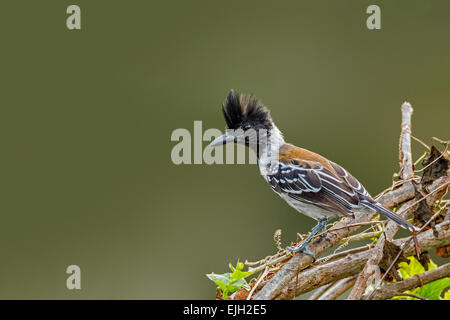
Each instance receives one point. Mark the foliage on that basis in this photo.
(432, 290)
(231, 282)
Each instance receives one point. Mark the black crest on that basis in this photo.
(241, 110)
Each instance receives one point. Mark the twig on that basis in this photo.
(443, 142)
(397, 288)
(421, 142)
(395, 197)
(440, 156)
(397, 184)
(371, 269)
(405, 155)
(412, 295)
(261, 277)
(390, 230)
(411, 205)
(300, 261)
(262, 261)
(438, 185)
(420, 158)
(433, 217)
(320, 291)
(361, 236)
(339, 288)
(342, 254)
(351, 225)
(271, 262)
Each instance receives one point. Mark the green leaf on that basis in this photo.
(240, 266)
(222, 280)
(408, 270)
(431, 290)
(231, 282)
(240, 274)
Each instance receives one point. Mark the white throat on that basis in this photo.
(268, 158)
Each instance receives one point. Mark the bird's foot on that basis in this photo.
(302, 248)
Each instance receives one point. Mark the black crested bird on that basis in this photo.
(307, 181)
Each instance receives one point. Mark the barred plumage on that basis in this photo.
(322, 187)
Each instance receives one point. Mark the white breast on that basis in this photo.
(307, 209)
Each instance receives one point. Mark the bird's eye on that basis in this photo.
(246, 126)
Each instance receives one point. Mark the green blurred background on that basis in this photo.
(86, 119)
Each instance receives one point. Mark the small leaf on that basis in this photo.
(433, 289)
(231, 282)
(240, 274)
(223, 278)
(430, 290)
(408, 270)
(241, 283)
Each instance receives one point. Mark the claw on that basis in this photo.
(302, 249)
(321, 225)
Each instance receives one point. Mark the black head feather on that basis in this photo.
(240, 110)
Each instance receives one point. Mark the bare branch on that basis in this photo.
(319, 292)
(377, 285)
(261, 277)
(405, 155)
(341, 254)
(300, 261)
(397, 196)
(412, 295)
(371, 269)
(441, 184)
(339, 288)
(319, 245)
(350, 265)
(397, 288)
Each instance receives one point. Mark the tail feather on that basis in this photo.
(389, 214)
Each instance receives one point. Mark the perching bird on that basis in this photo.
(307, 181)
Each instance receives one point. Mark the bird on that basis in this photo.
(310, 183)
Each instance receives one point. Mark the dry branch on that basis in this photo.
(319, 292)
(405, 155)
(397, 288)
(339, 288)
(300, 261)
(371, 269)
(350, 265)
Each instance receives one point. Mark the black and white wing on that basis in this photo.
(311, 182)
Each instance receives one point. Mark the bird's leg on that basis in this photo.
(321, 225)
(324, 226)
